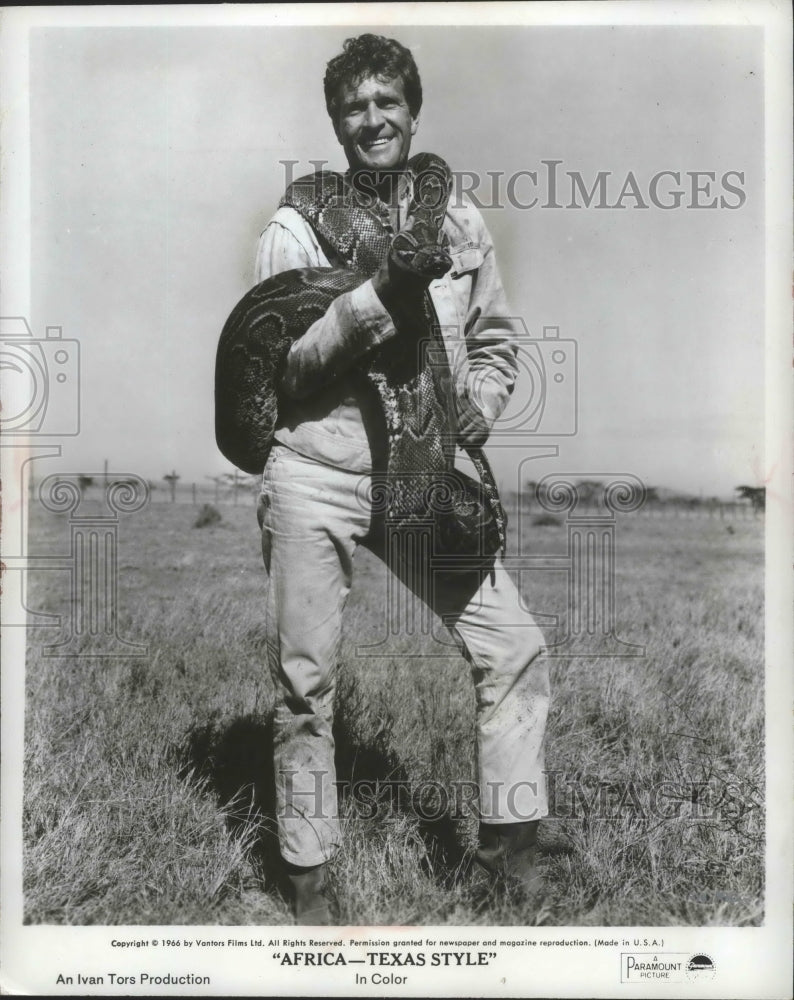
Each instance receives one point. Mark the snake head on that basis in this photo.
(419, 256)
(432, 261)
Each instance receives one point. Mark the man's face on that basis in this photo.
(374, 124)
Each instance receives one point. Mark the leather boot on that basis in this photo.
(310, 906)
(507, 852)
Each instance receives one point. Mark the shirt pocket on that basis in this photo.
(466, 257)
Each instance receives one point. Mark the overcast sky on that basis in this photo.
(155, 156)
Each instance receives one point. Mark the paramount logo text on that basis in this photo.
(648, 966)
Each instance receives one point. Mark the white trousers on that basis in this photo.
(313, 516)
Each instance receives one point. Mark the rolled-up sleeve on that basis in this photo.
(355, 323)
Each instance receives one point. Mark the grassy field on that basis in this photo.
(148, 781)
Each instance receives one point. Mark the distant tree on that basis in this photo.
(589, 491)
(235, 481)
(172, 478)
(217, 481)
(537, 491)
(755, 494)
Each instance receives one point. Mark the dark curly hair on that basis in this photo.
(372, 55)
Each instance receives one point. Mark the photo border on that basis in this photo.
(750, 962)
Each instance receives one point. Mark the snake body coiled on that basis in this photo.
(410, 372)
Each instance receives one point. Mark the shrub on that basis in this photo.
(546, 521)
(207, 515)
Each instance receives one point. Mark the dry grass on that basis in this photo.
(148, 792)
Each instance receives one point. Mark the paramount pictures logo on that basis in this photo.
(671, 967)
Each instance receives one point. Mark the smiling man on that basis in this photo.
(326, 448)
(374, 123)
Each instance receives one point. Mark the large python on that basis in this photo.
(410, 372)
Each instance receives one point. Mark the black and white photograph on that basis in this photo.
(396, 443)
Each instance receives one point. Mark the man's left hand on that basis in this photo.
(473, 427)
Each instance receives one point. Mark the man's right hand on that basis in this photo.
(414, 260)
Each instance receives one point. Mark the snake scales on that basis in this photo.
(410, 372)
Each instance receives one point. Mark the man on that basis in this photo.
(325, 450)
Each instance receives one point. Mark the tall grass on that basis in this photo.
(148, 783)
